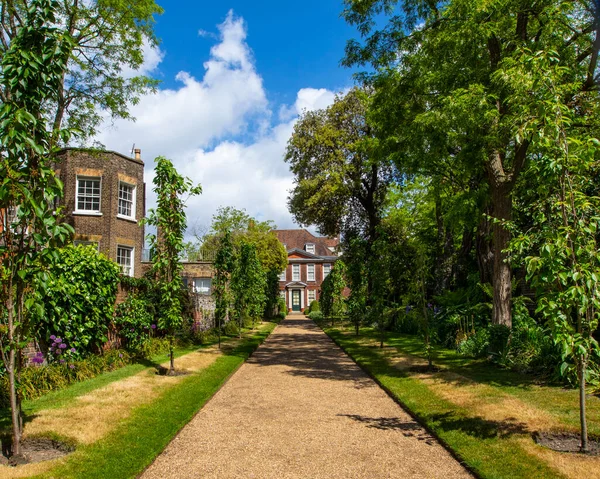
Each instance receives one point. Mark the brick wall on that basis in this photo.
(107, 229)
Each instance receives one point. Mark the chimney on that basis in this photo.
(138, 153)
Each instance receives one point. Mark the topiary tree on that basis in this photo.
(224, 263)
(248, 284)
(170, 222)
(32, 69)
(332, 292)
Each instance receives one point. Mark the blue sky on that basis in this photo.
(234, 77)
(295, 44)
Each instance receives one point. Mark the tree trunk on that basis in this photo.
(15, 410)
(582, 419)
(501, 310)
(171, 356)
(483, 247)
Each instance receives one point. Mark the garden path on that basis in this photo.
(300, 408)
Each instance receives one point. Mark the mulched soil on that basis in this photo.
(565, 442)
(36, 450)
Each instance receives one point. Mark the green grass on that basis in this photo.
(490, 449)
(137, 440)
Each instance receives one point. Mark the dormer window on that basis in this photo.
(309, 248)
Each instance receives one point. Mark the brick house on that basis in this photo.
(310, 259)
(104, 200)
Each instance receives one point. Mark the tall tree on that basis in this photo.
(32, 68)
(341, 179)
(466, 99)
(170, 222)
(109, 38)
(224, 264)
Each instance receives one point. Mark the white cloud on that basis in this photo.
(199, 123)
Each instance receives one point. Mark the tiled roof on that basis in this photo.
(300, 237)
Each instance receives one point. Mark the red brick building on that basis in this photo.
(310, 259)
(104, 200)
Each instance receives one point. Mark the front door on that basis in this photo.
(296, 300)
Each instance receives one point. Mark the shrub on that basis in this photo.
(39, 380)
(134, 323)
(77, 302)
(231, 329)
(314, 306)
(475, 345)
(316, 315)
(154, 347)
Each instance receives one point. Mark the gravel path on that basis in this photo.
(300, 408)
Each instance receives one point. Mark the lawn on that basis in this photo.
(485, 415)
(120, 421)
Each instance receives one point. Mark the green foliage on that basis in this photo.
(231, 329)
(224, 264)
(333, 304)
(32, 69)
(134, 322)
(170, 221)
(316, 316)
(314, 306)
(248, 284)
(39, 380)
(272, 293)
(76, 297)
(101, 50)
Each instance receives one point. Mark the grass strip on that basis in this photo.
(482, 445)
(136, 441)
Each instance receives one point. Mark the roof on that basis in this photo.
(100, 151)
(298, 238)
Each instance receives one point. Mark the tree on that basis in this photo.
(108, 38)
(224, 264)
(332, 292)
(340, 175)
(170, 222)
(248, 284)
(465, 102)
(560, 249)
(32, 68)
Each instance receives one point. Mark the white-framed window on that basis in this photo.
(126, 207)
(88, 194)
(310, 272)
(295, 272)
(312, 296)
(326, 270)
(125, 259)
(282, 275)
(95, 244)
(282, 294)
(202, 285)
(310, 248)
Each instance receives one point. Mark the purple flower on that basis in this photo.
(436, 310)
(153, 326)
(72, 366)
(51, 348)
(62, 361)
(58, 351)
(52, 337)
(38, 359)
(120, 355)
(429, 305)
(58, 340)
(73, 350)
(132, 330)
(63, 346)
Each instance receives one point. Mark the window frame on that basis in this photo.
(132, 265)
(310, 246)
(133, 200)
(294, 278)
(308, 295)
(283, 275)
(328, 272)
(198, 290)
(78, 211)
(308, 272)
